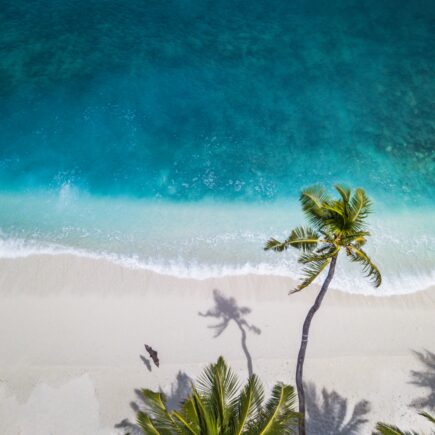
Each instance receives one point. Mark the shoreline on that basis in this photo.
(203, 273)
(75, 328)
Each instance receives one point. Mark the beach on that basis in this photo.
(156, 160)
(73, 334)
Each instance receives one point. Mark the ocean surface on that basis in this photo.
(176, 135)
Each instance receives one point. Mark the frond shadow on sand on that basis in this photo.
(180, 389)
(425, 378)
(329, 413)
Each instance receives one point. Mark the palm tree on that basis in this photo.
(336, 224)
(217, 406)
(386, 429)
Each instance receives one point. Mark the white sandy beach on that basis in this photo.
(72, 333)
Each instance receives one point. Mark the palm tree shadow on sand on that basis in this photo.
(227, 310)
(425, 379)
(328, 413)
(180, 389)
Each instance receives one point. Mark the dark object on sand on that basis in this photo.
(153, 355)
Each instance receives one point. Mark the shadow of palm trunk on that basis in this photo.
(226, 310)
(246, 351)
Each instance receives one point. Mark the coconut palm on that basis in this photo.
(386, 429)
(218, 406)
(336, 225)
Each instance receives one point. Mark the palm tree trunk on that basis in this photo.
(304, 342)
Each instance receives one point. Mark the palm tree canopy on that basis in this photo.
(218, 406)
(335, 224)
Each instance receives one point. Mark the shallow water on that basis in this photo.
(176, 135)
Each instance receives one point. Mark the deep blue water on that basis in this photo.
(243, 102)
(233, 99)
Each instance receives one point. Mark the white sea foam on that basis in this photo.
(207, 239)
(348, 278)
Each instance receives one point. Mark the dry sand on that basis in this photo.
(72, 333)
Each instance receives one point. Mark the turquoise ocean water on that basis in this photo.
(175, 135)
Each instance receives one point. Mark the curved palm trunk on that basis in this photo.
(304, 342)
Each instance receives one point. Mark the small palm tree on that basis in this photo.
(336, 224)
(386, 429)
(217, 406)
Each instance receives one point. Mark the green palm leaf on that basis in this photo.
(247, 406)
(428, 416)
(186, 426)
(187, 417)
(350, 237)
(360, 207)
(146, 424)
(357, 239)
(311, 272)
(207, 421)
(160, 417)
(386, 429)
(313, 199)
(218, 386)
(372, 272)
(275, 245)
(278, 414)
(305, 239)
(202, 414)
(319, 257)
(188, 412)
(344, 192)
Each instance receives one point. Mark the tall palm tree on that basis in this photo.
(336, 224)
(218, 406)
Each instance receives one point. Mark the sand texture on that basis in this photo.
(72, 333)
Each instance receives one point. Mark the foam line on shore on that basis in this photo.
(349, 283)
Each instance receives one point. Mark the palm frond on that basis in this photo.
(356, 239)
(359, 242)
(305, 239)
(314, 197)
(324, 248)
(350, 237)
(248, 405)
(311, 272)
(372, 272)
(207, 421)
(428, 416)
(359, 207)
(146, 424)
(313, 200)
(386, 429)
(186, 427)
(318, 257)
(218, 386)
(323, 212)
(159, 416)
(344, 192)
(202, 414)
(187, 411)
(279, 412)
(275, 245)
(337, 210)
